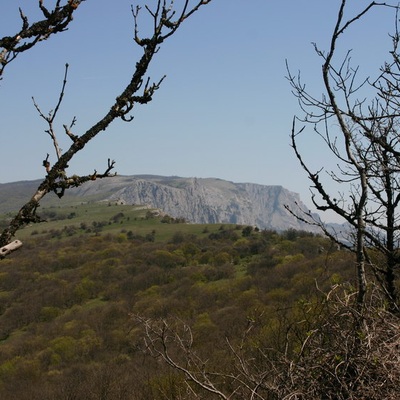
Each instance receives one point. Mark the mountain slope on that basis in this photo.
(197, 200)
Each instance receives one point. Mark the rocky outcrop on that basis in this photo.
(215, 201)
(196, 200)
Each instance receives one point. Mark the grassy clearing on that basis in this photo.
(95, 218)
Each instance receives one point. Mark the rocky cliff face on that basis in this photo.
(197, 200)
(214, 201)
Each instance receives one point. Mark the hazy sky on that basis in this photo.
(225, 109)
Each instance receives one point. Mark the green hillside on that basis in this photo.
(71, 300)
(93, 218)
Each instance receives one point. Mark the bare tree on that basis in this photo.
(363, 136)
(139, 90)
(321, 356)
(345, 344)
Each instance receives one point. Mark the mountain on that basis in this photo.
(198, 200)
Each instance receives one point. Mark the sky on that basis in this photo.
(224, 110)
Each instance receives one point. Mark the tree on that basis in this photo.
(358, 120)
(139, 90)
(341, 344)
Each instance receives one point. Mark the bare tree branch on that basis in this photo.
(56, 20)
(332, 351)
(56, 179)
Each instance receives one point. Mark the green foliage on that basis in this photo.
(65, 308)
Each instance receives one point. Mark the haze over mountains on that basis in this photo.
(198, 200)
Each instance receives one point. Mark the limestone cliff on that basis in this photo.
(197, 200)
(214, 201)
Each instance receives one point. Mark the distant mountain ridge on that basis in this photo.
(198, 200)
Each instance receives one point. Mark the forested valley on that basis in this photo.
(73, 300)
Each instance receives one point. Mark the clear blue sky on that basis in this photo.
(225, 109)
